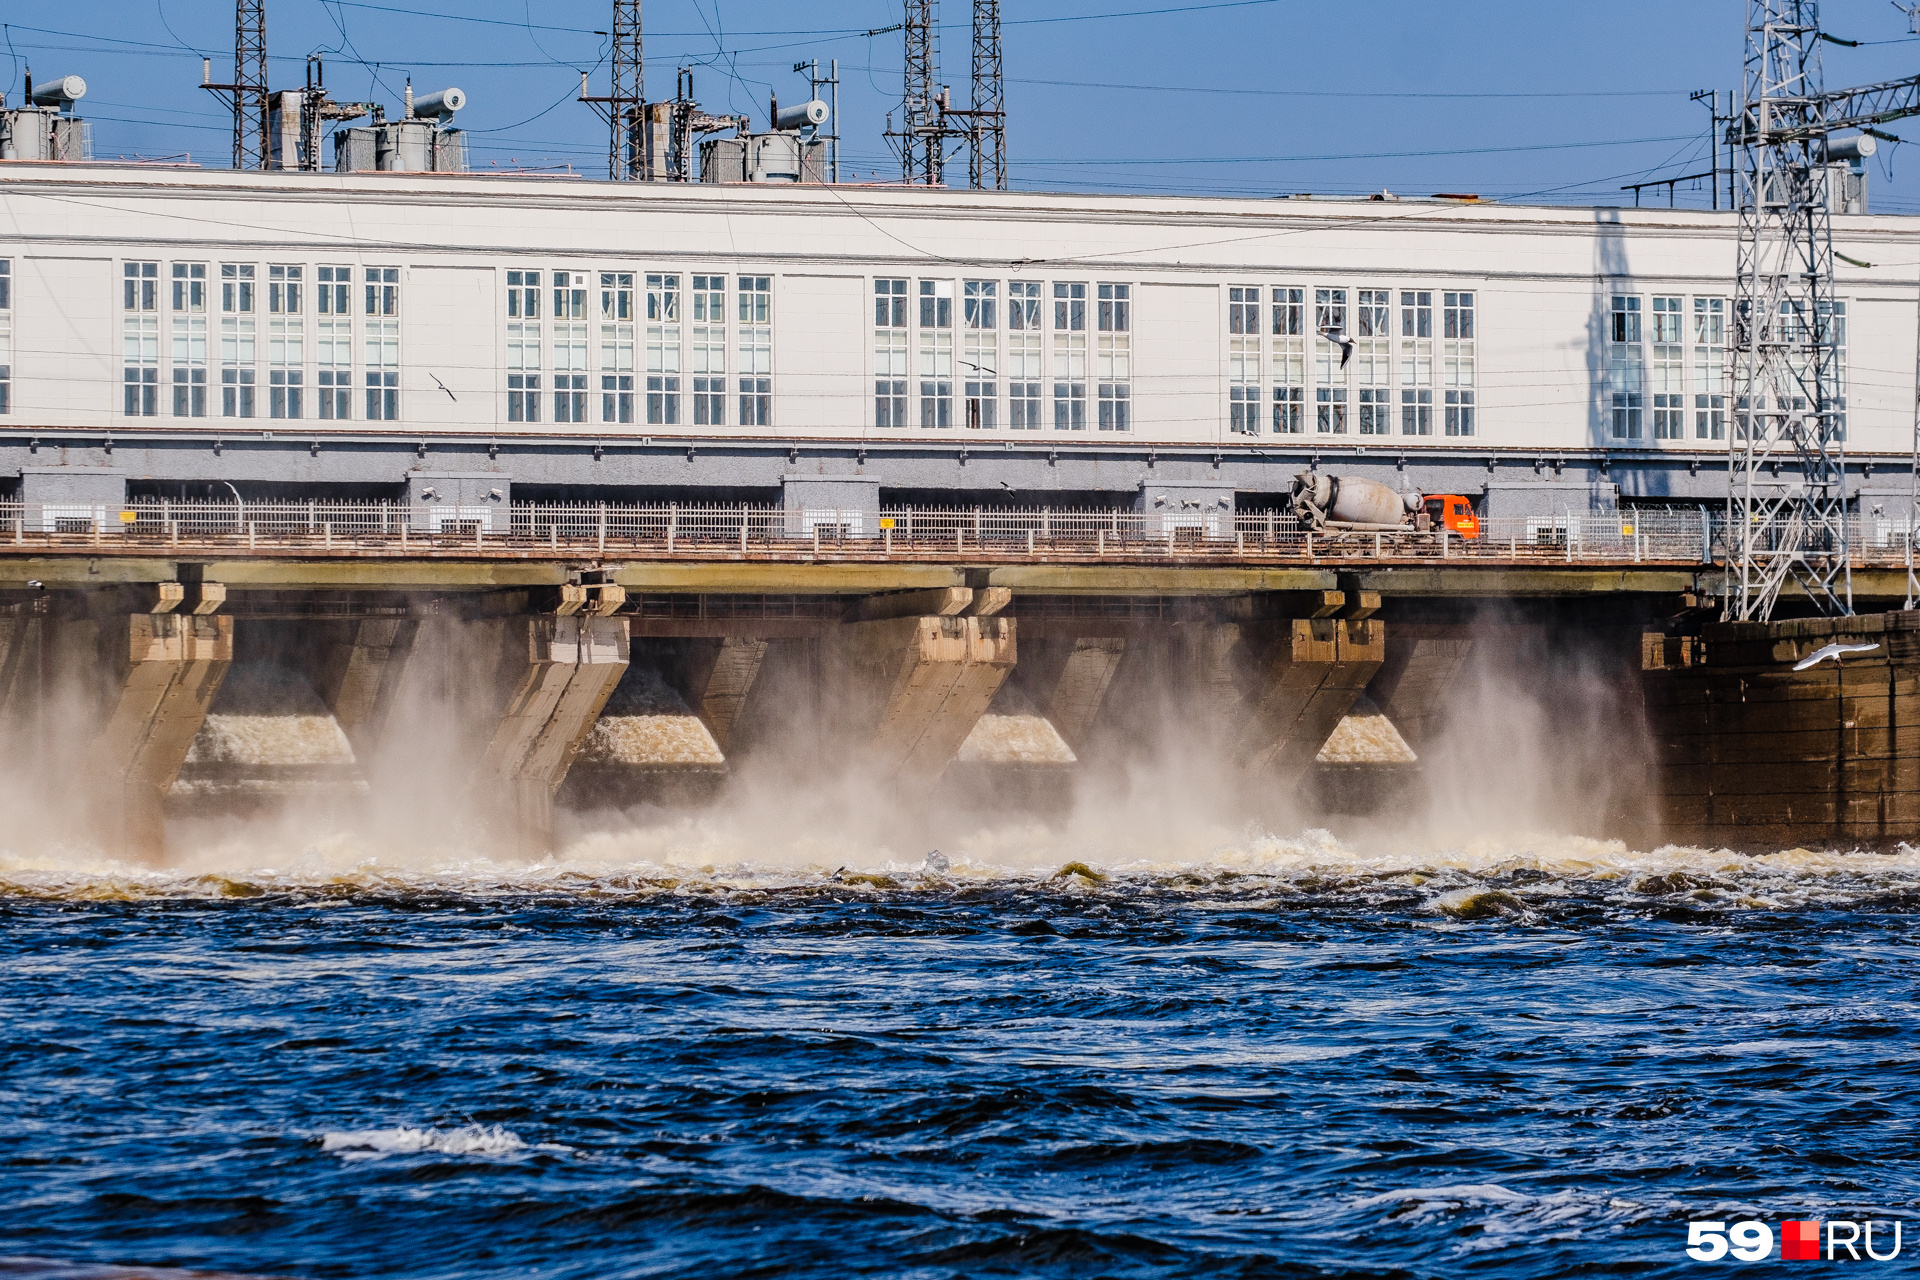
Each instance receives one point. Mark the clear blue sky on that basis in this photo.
(1542, 101)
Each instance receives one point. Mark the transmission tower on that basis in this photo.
(626, 103)
(922, 149)
(1788, 413)
(987, 156)
(251, 144)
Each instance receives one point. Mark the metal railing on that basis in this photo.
(531, 530)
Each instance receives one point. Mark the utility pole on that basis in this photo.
(987, 156)
(1786, 409)
(252, 146)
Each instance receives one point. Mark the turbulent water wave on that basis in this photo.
(1520, 880)
(468, 1140)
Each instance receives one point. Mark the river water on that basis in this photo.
(1270, 1055)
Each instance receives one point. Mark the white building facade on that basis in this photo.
(454, 312)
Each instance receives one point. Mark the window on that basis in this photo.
(1669, 369)
(1289, 405)
(1287, 367)
(283, 291)
(569, 348)
(333, 353)
(1243, 309)
(1024, 356)
(1416, 411)
(1416, 362)
(236, 288)
(523, 295)
(190, 354)
(889, 304)
(1457, 360)
(936, 353)
(1113, 356)
(383, 369)
(285, 361)
(6, 336)
(383, 290)
(333, 289)
(1375, 416)
(1626, 368)
(1459, 413)
(616, 350)
(1372, 360)
(1330, 361)
(663, 350)
(1244, 382)
(1069, 356)
(755, 314)
(1070, 306)
(616, 295)
(569, 295)
(141, 287)
(890, 353)
(237, 351)
(1710, 368)
(1835, 315)
(1331, 406)
(981, 357)
(140, 339)
(708, 304)
(190, 286)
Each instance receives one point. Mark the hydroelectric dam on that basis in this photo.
(614, 655)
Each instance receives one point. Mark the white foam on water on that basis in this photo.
(469, 1140)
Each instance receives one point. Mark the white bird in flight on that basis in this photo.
(1833, 651)
(1345, 343)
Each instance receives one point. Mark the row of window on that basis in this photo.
(1667, 362)
(1067, 346)
(695, 362)
(1376, 359)
(212, 364)
(286, 289)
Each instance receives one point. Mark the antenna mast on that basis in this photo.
(251, 145)
(626, 104)
(1789, 419)
(987, 156)
(922, 153)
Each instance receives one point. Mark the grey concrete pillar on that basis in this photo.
(846, 505)
(720, 676)
(449, 501)
(1067, 681)
(906, 692)
(64, 499)
(170, 667)
(359, 676)
(1414, 682)
(569, 669)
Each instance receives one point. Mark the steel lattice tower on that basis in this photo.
(626, 147)
(922, 154)
(987, 157)
(1788, 411)
(252, 148)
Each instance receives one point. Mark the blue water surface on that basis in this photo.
(1184, 1076)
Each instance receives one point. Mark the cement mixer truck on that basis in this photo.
(1348, 504)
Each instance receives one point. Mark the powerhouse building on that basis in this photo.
(188, 331)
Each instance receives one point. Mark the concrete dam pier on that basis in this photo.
(142, 686)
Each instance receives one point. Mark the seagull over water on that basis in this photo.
(1833, 651)
(1345, 343)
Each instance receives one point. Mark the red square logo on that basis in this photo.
(1800, 1241)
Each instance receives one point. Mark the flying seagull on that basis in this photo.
(1833, 651)
(1346, 344)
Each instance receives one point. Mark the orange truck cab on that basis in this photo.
(1454, 513)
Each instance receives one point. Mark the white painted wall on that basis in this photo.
(1542, 279)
